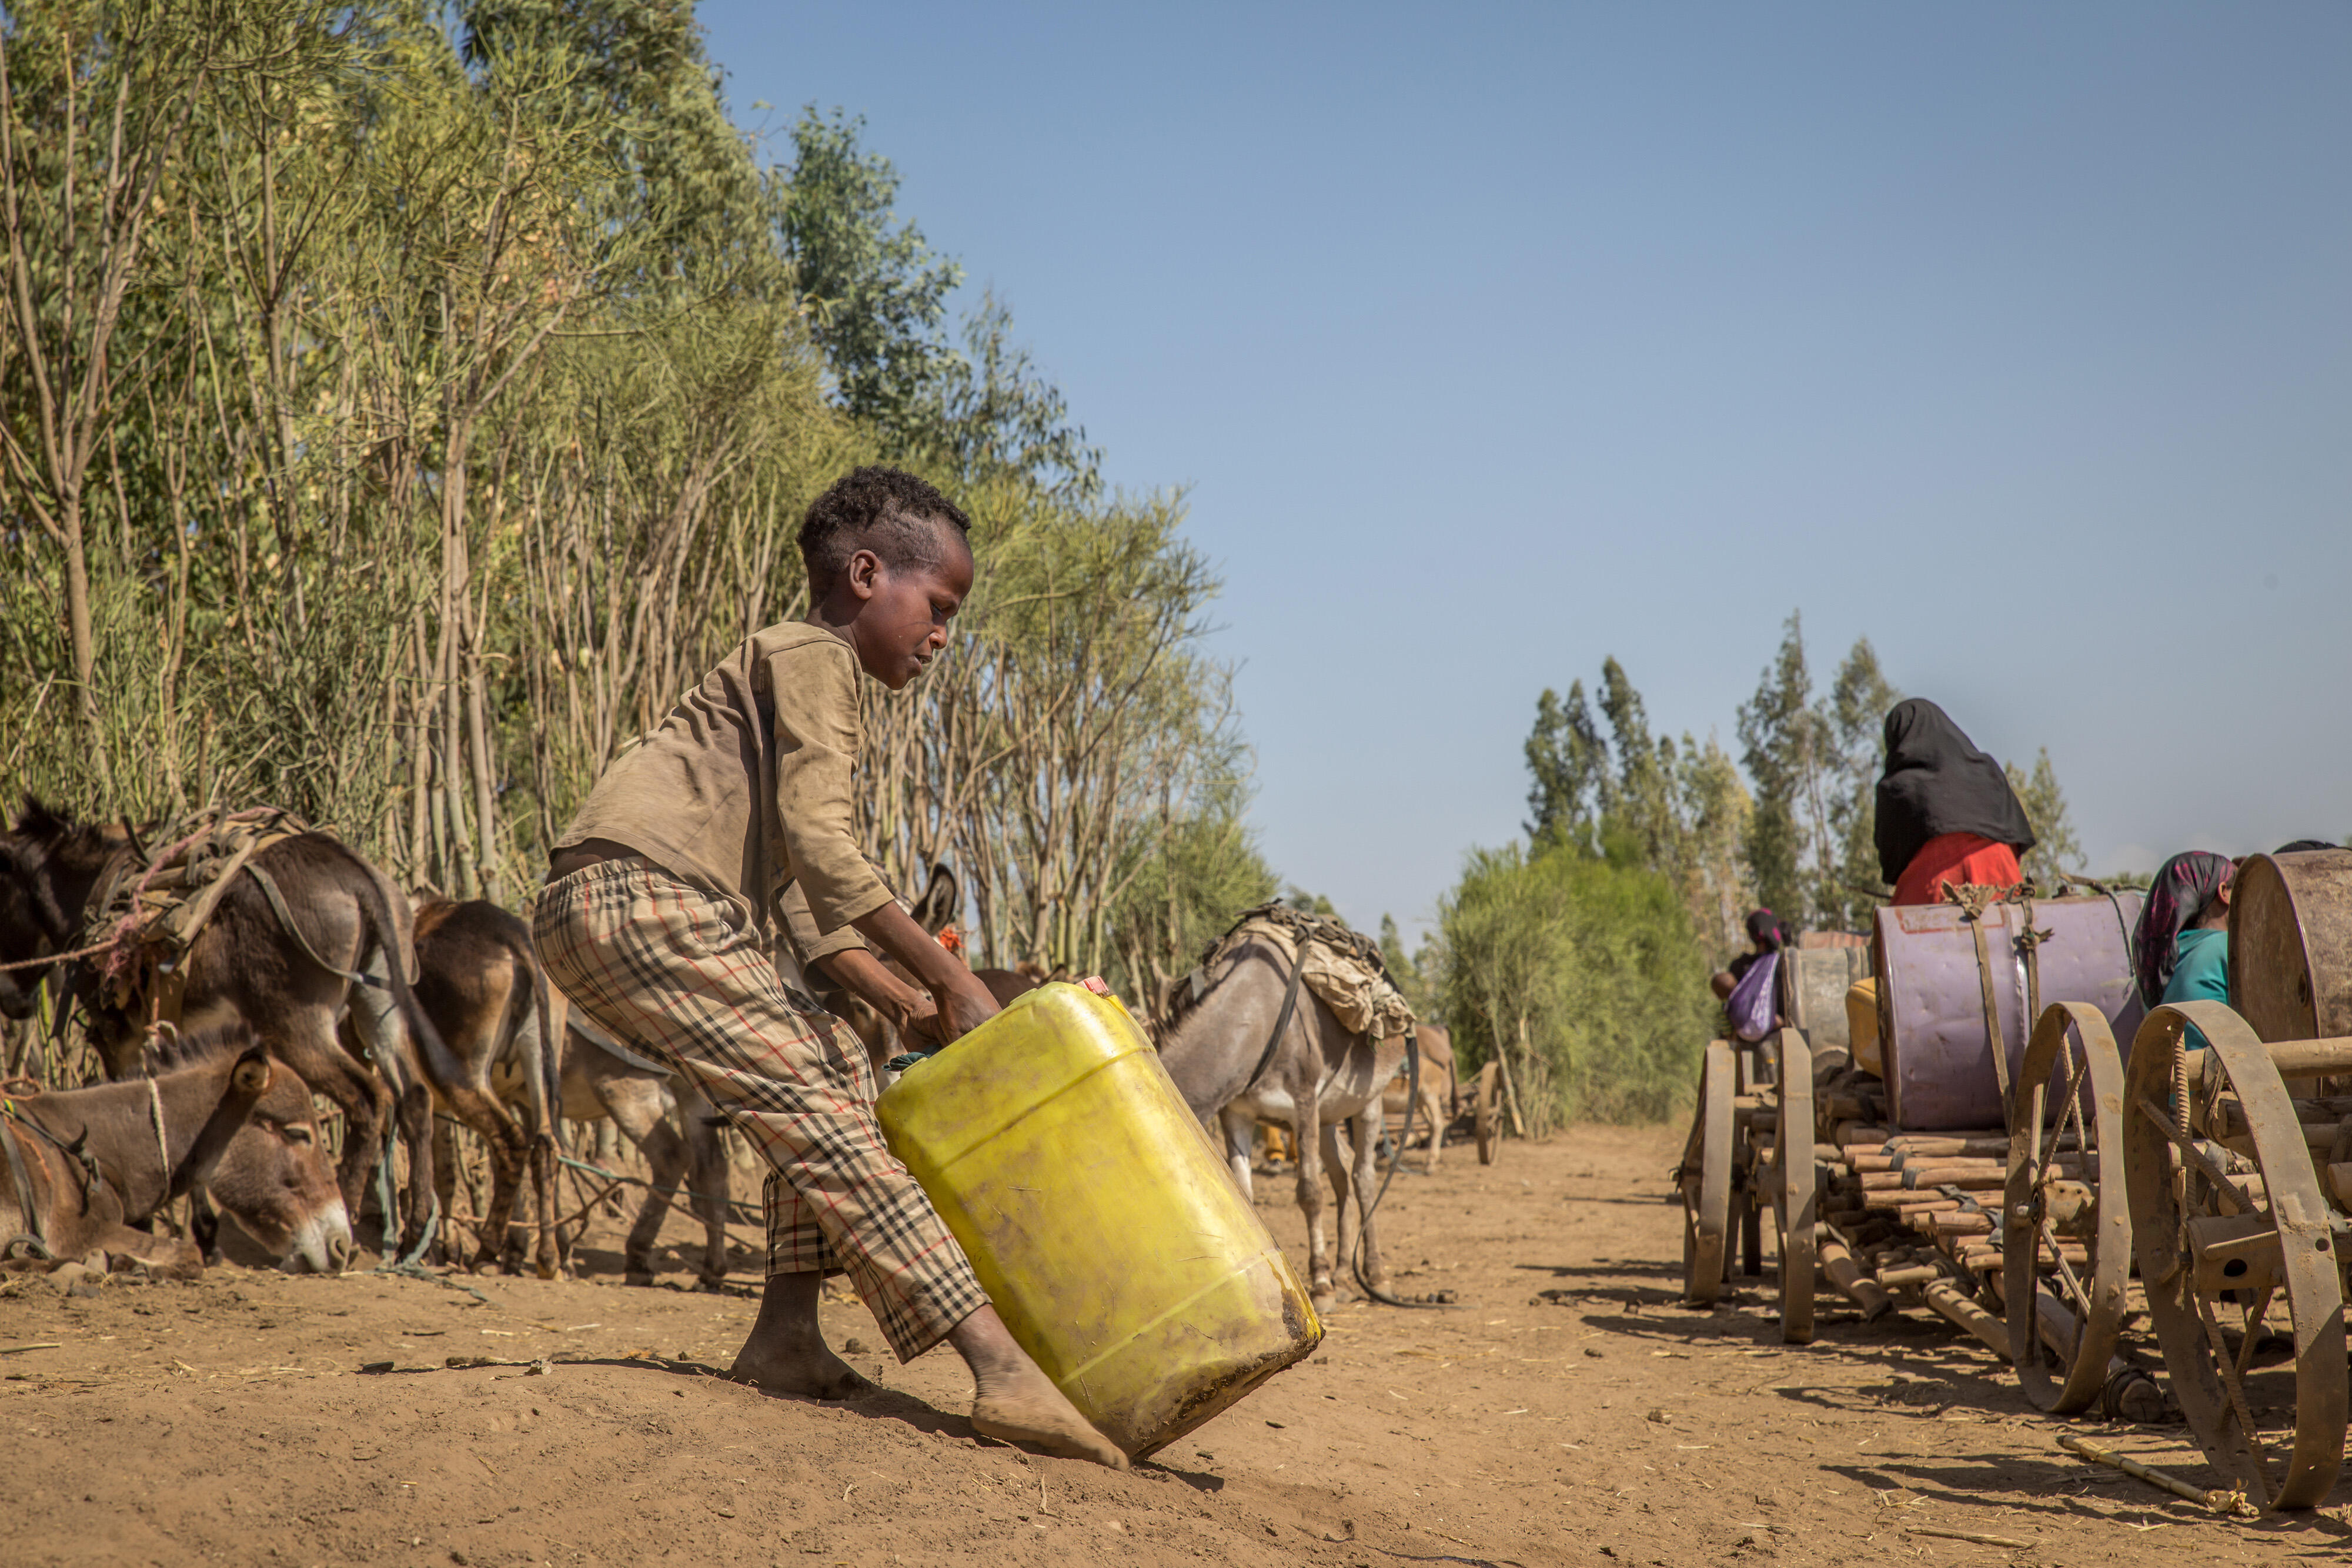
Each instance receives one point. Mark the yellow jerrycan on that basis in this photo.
(1103, 1224)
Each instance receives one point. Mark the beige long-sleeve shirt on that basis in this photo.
(746, 787)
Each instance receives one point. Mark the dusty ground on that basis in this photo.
(229, 1421)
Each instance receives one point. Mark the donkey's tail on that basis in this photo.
(398, 947)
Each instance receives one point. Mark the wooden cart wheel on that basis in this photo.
(2066, 1185)
(1792, 1184)
(1748, 1199)
(2218, 1245)
(1706, 1179)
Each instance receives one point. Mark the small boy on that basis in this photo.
(656, 917)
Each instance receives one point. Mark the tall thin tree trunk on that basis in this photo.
(85, 644)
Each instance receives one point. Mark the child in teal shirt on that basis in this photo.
(2184, 934)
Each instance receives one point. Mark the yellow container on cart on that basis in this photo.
(1103, 1223)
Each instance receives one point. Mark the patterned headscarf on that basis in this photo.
(2183, 889)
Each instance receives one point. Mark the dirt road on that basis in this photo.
(1568, 1412)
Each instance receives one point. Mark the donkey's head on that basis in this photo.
(261, 1156)
(31, 924)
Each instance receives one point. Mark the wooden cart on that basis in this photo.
(1733, 1174)
(1990, 1159)
(1992, 1216)
(2239, 1160)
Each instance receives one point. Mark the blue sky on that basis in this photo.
(1493, 341)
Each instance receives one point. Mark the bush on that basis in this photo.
(1584, 972)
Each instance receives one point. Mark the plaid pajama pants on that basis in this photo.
(678, 973)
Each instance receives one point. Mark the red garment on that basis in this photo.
(1956, 857)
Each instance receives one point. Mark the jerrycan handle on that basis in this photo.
(1101, 988)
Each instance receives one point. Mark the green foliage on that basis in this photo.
(680, 175)
(874, 291)
(877, 297)
(2055, 847)
(1816, 764)
(1676, 809)
(461, 385)
(1854, 720)
(1567, 762)
(1187, 881)
(988, 415)
(1781, 739)
(1584, 973)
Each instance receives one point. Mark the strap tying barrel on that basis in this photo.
(1973, 900)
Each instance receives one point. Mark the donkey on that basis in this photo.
(247, 964)
(233, 1121)
(479, 982)
(1319, 1075)
(602, 1078)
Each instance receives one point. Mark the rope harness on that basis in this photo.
(155, 1120)
(286, 918)
(89, 1179)
(34, 1230)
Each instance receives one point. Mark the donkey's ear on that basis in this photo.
(252, 1074)
(941, 901)
(37, 820)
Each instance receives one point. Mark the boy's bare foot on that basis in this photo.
(1013, 1402)
(817, 1373)
(786, 1354)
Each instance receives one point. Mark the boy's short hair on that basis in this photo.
(886, 510)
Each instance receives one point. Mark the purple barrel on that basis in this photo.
(1931, 1009)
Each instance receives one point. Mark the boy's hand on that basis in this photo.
(962, 1003)
(919, 1018)
(904, 1007)
(963, 1009)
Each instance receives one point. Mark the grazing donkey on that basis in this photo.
(602, 1079)
(288, 975)
(1319, 1075)
(86, 1166)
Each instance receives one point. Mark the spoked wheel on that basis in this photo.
(2228, 1216)
(1706, 1179)
(1791, 1184)
(2065, 1253)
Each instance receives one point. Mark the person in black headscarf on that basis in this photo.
(1945, 812)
